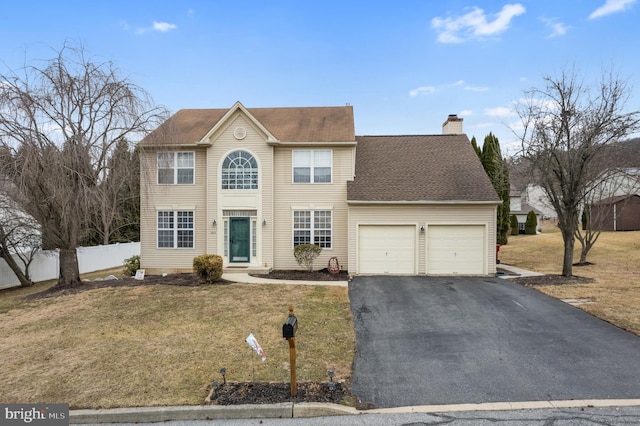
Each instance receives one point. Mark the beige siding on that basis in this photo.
(310, 196)
(156, 197)
(261, 200)
(422, 215)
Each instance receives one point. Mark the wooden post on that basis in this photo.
(292, 359)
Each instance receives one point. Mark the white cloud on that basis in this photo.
(611, 6)
(499, 112)
(475, 24)
(163, 26)
(466, 113)
(557, 28)
(422, 90)
(476, 88)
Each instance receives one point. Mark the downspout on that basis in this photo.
(615, 217)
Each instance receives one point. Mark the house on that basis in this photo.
(521, 209)
(252, 183)
(618, 213)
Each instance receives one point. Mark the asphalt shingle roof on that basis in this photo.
(306, 124)
(418, 168)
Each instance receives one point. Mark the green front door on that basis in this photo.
(239, 239)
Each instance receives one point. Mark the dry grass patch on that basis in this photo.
(614, 294)
(163, 345)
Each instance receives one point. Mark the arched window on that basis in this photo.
(239, 171)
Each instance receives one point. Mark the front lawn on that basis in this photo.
(614, 294)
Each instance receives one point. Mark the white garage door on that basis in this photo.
(456, 249)
(386, 249)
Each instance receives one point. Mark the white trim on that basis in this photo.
(427, 202)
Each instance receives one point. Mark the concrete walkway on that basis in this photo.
(517, 272)
(240, 277)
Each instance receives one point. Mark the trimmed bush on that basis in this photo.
(131, 265)
(305, 254)
(208, 267)
(515, 227)
(531, 224)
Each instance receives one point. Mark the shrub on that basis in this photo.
(515, 227)
(305, 254)
(131, 265)
(208, 267)
(531, 224)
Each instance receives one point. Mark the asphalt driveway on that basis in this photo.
(449, 340)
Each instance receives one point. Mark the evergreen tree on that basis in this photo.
(515, 227)
(496, 168)
(476, 148)
(531, 224)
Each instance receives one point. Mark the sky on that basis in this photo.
(403, 65)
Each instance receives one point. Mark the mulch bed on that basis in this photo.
(551, 280)
(273, 393)
(321, 275)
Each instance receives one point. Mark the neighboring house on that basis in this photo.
(619, 213)
(252, 183)
(521, 209)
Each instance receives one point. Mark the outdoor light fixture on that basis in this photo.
(223, 371)
(332, 386)
(330, 373)
(264, 222)
(214, 223)
(422, 229)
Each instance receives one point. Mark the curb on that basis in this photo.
(311, 409)
(208, 412)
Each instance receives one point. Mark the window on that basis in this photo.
(307, 223)
(312, 166)
(176, 168)
(239, 171)
(175, 229)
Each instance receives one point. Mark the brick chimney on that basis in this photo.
(453, 125)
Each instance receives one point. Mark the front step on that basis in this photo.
(246, 270)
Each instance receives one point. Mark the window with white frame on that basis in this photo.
(176, 167)
(175, 229)
(239, 171)
(312, 227)
(312, 166)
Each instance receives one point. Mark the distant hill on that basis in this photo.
(624, 154)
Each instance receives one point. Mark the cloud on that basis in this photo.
(422, 90)
(611, 6)
(425, 90)
(557, 28)
(475, 24)
(466, 113)
(163, 26)
(156, 26)
(499, 112)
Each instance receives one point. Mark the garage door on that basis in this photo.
(388, 249)
(453, 250)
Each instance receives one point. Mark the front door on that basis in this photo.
(239, 239)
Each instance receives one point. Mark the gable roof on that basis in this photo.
(426, 168)
(615, 199)
(525, 209)
(304, 124)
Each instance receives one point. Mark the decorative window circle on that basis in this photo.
(240, 133)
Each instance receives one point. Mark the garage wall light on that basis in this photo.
(422, 229)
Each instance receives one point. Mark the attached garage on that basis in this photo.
(456, 250)
(387, 249)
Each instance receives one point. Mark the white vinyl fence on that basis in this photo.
(46, 266)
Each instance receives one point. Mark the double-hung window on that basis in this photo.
(312, 227)
(176, 167)
(175, 229)
(312, 166)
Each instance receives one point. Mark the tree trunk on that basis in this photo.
(69, 271)
(569, 243)
(22, 277)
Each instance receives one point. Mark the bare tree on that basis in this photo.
(20, 240)
(59, 122)
(608, 184)
(564, 127)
